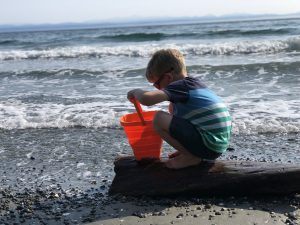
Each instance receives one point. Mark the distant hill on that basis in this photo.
(142, 21)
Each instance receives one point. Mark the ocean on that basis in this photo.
(62, 93)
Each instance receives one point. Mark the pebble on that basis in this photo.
(208, 206)
(292, 215)
(140, 215)
(93, 182)
(159, 214)
(211, 216)
(180, 215)
(56, 203)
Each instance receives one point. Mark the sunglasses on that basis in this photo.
(157, 83)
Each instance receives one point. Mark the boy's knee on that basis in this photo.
(161, 120)
(156, 120)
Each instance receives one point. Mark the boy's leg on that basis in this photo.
(182, 159)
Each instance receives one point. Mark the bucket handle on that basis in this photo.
(139, 110)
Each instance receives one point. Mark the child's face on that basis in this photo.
(163, 80)
(158, 82)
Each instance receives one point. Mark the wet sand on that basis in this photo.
(62, 176)
(57, 207)
(203, 211)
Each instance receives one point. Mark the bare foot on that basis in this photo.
(174, 154)
(182, 161)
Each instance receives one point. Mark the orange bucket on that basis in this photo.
(143, 139)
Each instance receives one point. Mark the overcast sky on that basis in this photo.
(58, 11)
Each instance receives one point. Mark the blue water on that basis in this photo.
(76, 80)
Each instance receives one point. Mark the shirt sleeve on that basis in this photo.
(177, 91)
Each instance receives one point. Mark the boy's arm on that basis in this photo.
(148, 98)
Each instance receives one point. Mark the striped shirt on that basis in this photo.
(193, 101)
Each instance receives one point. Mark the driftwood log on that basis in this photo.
(152, 178)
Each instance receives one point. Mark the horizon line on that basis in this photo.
(131, 21)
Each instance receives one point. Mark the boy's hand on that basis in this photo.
(130, 95)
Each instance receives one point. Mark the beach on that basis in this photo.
(128, 210)
(62, 93)
(73, 196)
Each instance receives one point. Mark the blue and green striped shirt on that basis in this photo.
(193, 101)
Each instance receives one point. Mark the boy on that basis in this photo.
(198, 125)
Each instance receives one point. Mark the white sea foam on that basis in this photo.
(145, 50)
(275, 116)
(248, 116)
(19, 115)
(87, 174)
(255, 126)
(79, 165)
(29, 155)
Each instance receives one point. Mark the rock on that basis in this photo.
(140, 215)
(295, 215)
(208, 206)
(180, 215)
(93, 182)
(211, 216)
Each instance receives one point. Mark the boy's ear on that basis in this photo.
(169, 76)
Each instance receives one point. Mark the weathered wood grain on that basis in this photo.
(152, 178)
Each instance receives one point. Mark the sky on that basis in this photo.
(60, 11)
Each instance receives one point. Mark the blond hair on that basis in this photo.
(165, 60)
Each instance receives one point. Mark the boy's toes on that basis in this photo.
(170, 164)
(182, 161)
(174, 154)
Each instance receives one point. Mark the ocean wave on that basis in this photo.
(256, 32)
(224, 48)
(5, 42)
(263, 126)
(136, 37)
(251, 69)
(102, 120)
(219, 33)
(14, 42)
(145, 36)
(18, 115)
(74, 73)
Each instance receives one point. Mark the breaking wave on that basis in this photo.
(224, 48)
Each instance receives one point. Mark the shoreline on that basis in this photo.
(43, 182)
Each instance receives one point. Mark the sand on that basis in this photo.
(201, 211)
(69, 199)
(56, 207)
